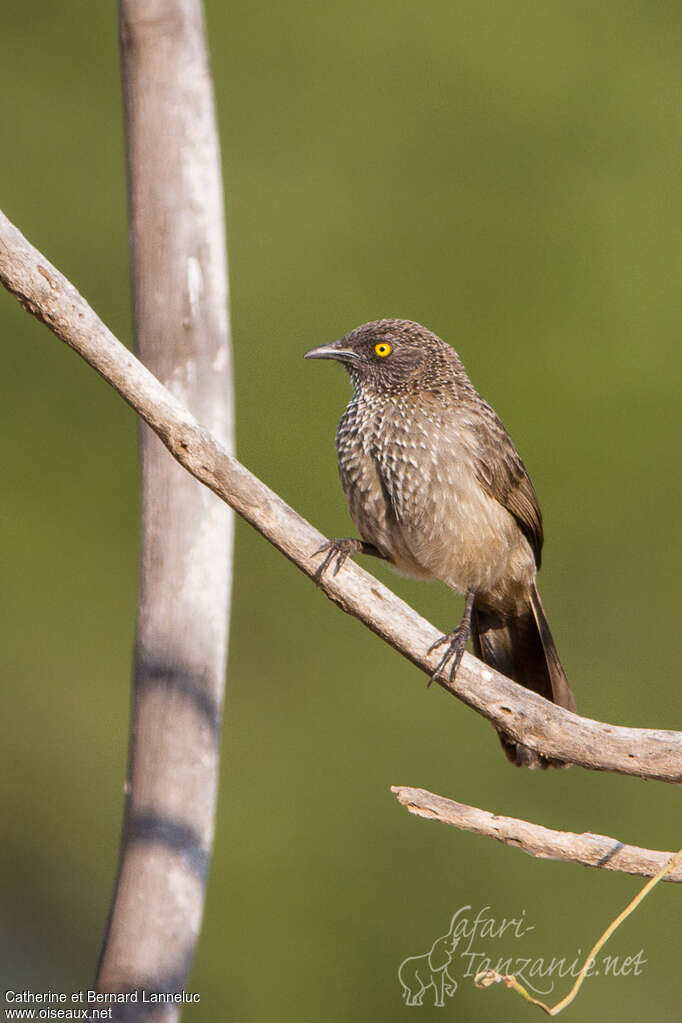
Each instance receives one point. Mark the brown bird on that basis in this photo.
(436, 487)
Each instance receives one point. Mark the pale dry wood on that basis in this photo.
(179, 287)
(553, 731)
(587, 849)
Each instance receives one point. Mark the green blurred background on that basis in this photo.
(506, 174)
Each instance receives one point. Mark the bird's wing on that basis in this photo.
(500, 470)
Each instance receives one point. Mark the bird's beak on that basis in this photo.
(336, 350)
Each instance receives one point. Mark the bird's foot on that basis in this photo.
(456, 645)
(337, 551)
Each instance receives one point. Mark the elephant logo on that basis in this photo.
(418, 973)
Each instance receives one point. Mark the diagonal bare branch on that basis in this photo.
(554, 732)
(544, 843)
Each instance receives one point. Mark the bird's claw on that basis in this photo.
(336, 551)
(456, 645)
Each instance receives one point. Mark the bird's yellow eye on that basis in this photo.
(383, 349)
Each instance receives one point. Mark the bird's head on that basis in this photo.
(393, 357)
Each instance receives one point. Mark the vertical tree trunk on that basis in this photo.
(179, 283)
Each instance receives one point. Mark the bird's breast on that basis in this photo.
(412, 490)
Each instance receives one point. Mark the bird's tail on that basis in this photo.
(521, 647)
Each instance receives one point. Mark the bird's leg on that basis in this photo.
(456, 641)
(338, 550)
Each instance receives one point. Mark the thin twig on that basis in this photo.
(526, 717)
(487, 977)
(587, 849)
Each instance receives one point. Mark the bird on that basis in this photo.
(436, 487)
